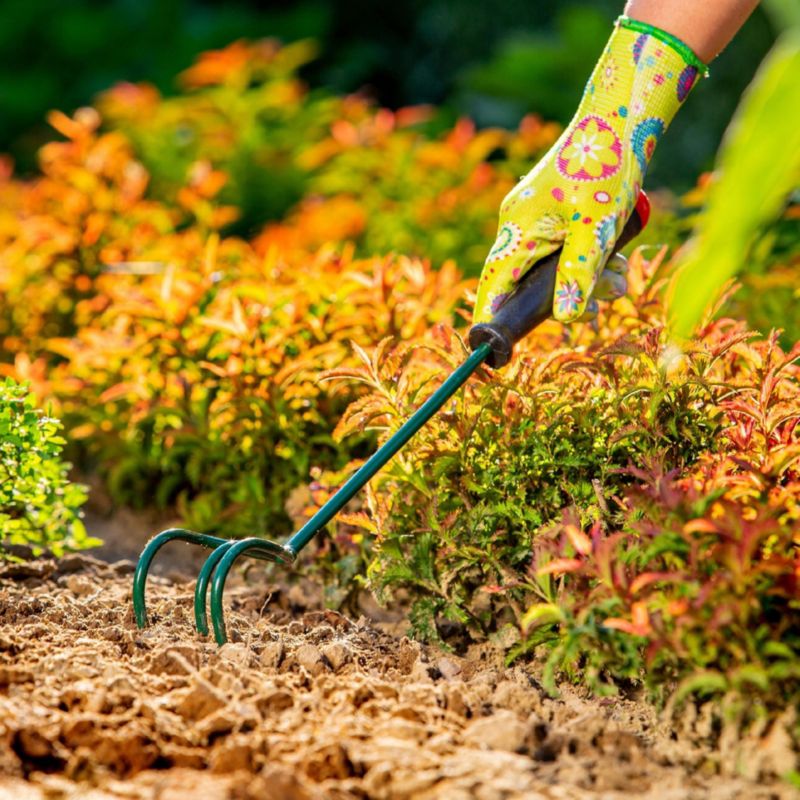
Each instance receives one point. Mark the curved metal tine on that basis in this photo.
(201, 587)
(267, 551)
(149, 552)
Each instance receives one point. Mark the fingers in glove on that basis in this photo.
(613, 281)
(618, 263)
(581, 261)
(512, 255)
(592, 309)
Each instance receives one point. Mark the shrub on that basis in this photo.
(243, 110)
(38, 504)
(198, 360)
(699, 585)
(87, 209)
(143, 168)
(432, 197)
(198, 385)
(558, 427)
(632, 507)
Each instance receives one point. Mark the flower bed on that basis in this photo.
(628, 507)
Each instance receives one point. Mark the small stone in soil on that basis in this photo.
(502, 731)
(450, 668)
(239, 654)
(202, 700)
(272, 654)
(310, 657)
(337, 654)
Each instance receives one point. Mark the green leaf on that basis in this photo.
(750, 674)
(542, 614)
(701, 683)
(759, 165)
(778, 650)
(38, 504)
(792, 778)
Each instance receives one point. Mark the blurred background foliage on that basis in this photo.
(493, 62)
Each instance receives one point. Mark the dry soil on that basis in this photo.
(306, 703)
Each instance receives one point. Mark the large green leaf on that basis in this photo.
(758, 166)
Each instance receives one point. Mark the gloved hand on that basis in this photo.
(580, 195)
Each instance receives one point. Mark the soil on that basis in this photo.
(305, 703)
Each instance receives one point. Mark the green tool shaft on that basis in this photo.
(389, 449)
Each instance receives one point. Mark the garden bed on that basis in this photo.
(615, 514)
(308, 703)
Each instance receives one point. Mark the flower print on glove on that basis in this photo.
(580, 195)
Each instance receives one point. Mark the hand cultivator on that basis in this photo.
(492, 343)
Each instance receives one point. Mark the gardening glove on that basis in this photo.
(580, 195)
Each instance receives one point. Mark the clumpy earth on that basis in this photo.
(306, 703)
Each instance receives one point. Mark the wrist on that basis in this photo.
(705, 27)
(643, 75)
(669, 39)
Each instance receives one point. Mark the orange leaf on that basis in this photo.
(359, 519)
(677, 607)
(618, 624)
(646, 578)
(117, 391)
(559, 566)
(700, 525)
(580, 541)
(641, 616)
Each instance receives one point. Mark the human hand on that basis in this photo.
(581, 194)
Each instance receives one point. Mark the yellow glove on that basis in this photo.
(582, 192)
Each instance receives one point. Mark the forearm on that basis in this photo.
(705, 25)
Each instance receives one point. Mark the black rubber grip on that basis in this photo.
(531, 303)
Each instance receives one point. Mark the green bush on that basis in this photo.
(39, 506)
(465, 501)
(631, 508)
(698, 585)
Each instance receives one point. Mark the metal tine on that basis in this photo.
(201, 587)
(263, 549)
(149, 552)
(154, 545)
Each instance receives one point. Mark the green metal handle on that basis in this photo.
(394, 443)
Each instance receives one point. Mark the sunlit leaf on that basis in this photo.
(758, 165)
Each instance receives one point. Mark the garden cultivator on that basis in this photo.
(491, 343)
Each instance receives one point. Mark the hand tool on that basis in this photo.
(491, 343)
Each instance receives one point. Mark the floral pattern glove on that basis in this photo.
(580, 195)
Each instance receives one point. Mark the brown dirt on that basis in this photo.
(309, 704)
